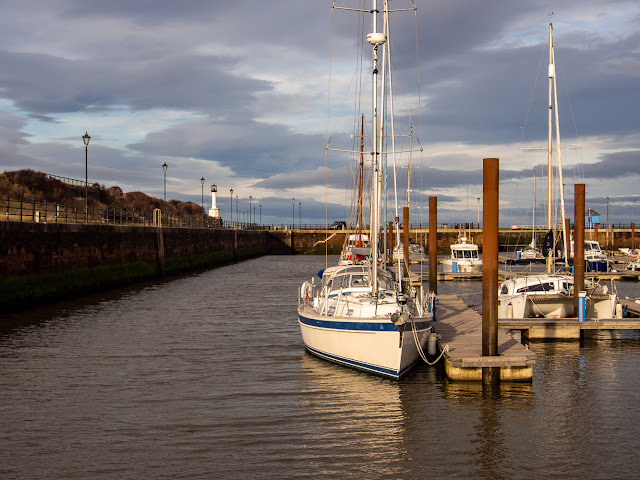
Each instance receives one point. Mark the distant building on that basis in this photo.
(591, 217)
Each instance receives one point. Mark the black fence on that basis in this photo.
(26, 211)
(43, 212)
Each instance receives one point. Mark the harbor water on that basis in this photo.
(206, 377)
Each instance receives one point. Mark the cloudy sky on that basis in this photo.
(238, 93)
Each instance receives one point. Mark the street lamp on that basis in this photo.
(85, 140)
(254, 214)
(250, 199)
(231, 208)
(478, 212)
(237, 211)
(293, 214)
(164, 169)
(260, 214)
(300, 213)
(202, 198)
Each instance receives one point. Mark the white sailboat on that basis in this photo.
(531, 253)
(551, 294)
(363, 316)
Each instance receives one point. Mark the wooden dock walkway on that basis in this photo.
(631, 305)
(460, 330)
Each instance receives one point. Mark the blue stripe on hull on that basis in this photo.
(359, 326)
(366, 367)
(383, 326)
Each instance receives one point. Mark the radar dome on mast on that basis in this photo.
(377, 38)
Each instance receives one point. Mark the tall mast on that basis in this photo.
(409, 168)
(534, 240)
(550, 147)
(359, 214)
(376, 39)
(559, 150)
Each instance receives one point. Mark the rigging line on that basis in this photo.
(326, 152)
(415, 15)
(521, 155)
(393, 138)
(575, 125)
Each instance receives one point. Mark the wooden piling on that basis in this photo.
(578, 244)
(490, 375)
(160, 256)
(567, 250)
(433, 244)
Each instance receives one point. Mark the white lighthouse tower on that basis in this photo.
(214, 211)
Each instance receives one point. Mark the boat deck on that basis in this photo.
(460, 328)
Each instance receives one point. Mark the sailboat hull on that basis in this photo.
(371, 345)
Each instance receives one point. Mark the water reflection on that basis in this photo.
(189, 378)
(352, 416)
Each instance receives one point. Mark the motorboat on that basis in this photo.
(464, 257)
(416, 253)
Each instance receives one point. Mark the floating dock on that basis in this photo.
(460, 330)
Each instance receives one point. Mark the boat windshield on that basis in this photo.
(537, 287)
(465, 254)
(348, 280)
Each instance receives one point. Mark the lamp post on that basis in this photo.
(250, 199)
(478, 212)
(237, 213)
(85, 140)
(260, 214)
(202, 198)
(164, 169)
(293, 213)
(231, 207)
(254, 214)
(300, 213)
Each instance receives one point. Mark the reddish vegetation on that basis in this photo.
(30, 185)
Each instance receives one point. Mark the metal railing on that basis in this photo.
(43, 212)
(69, 181)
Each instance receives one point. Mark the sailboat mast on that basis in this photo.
(376, 39)
(550, 147)
(409, 168)
(361, 175)
(534, 240)
(559, 150)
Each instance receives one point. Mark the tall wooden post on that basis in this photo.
(433, 244)
(490, 375)
(578, 244)
(567, 251)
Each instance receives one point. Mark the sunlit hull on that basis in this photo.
(371, 345)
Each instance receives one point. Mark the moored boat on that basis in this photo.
(362, 315)
(551, 296)
(464, 257)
